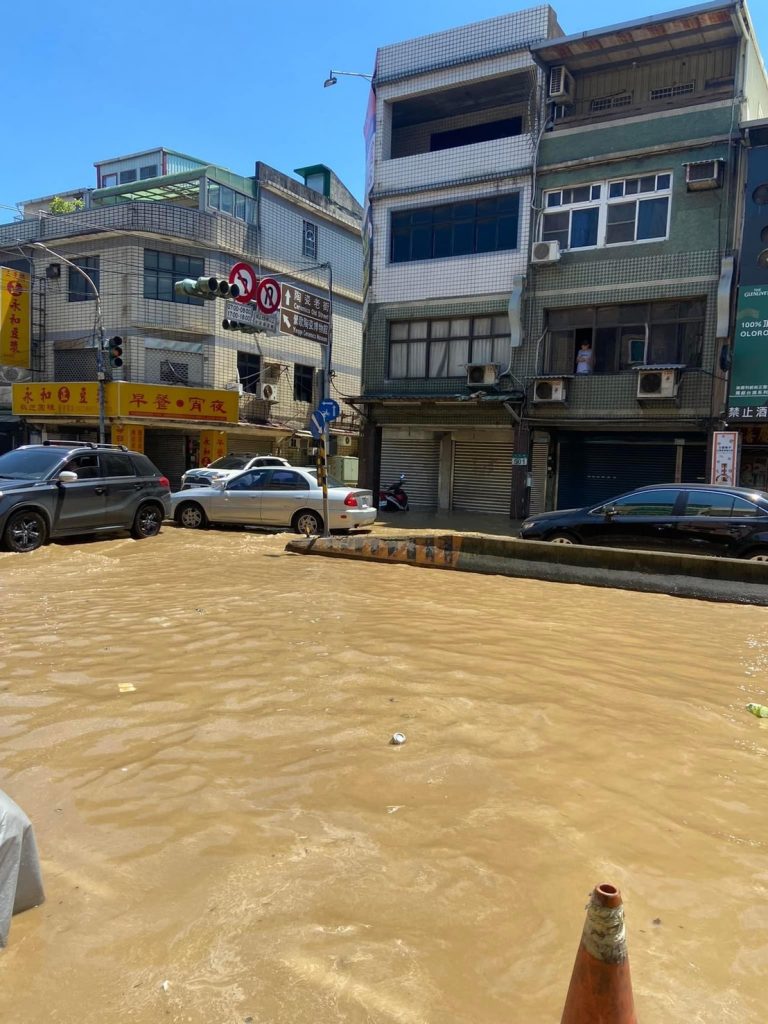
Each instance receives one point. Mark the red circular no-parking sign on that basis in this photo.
(268, 295)
(244, 276)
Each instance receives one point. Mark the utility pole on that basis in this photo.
(100, 373)
(327, 394)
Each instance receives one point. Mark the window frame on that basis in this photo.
(170, 274)
(603, 202)
(78, 289)
(309, 239)
(250, 380)
(303, 382)
(453, 219)
(473, 337)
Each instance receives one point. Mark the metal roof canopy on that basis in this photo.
(469, 98)
(184, 185)
(660, 35)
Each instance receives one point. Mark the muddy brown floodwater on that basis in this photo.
(239, 827)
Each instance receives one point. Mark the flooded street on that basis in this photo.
(239, 826)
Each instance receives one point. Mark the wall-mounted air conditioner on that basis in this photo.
(345, 441)
(550, 390)
(482, 374)
(655, 384)
(560, 85)
(545, 252)
(267, 392)
(704, 175)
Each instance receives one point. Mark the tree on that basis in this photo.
(59, 205)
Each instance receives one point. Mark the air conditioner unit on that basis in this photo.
(550, 390)
(13, 375)
(266, 392)
(545, 252)
(704, 175)
(560, 85)
(483, 374)
(654, 384)
(345, 441)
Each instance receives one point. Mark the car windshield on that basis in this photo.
(29, 465)
(230, 462)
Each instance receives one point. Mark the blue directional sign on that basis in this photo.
(317, 424)
(330, 409)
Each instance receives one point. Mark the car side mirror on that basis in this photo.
(66, 476)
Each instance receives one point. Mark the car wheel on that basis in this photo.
(25, 531)
(757, 555)
(148, 521)
(191, 516)
(307, 522)
(562, 538)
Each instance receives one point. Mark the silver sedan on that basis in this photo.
(266, 496)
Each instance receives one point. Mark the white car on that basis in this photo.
(226, 467)
(281, 496)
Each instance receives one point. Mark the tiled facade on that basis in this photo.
(602, 167)
(163, 338)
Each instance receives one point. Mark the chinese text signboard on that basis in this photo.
(749, 374)
(725, 452)
(129, 434)
(124, 399)
(305, 314)
(213, 445)
(14, 317)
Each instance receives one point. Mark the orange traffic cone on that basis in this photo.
(601, 990)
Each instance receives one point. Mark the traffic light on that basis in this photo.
(237, 325)
(115, 347)
(206, 288)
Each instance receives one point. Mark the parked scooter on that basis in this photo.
(394, 498)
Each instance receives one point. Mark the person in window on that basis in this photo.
(584, 358)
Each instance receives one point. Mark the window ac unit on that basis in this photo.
(653, 384)
(345, 441)
(704, 175)
(13, 375)
(560, 85)
(550, 390)
(483, 374)
(545, 252)
(267, 392)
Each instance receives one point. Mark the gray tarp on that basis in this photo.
(21, 884)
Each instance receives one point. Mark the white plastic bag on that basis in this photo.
(21, 884)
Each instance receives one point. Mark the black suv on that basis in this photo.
(65, 488)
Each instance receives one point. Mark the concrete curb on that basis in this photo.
(711, 579)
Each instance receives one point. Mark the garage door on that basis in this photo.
(168, 450)
(482, 476)
(419, 459)
(248, 445)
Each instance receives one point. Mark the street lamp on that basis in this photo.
(333, 77)
(100, 375)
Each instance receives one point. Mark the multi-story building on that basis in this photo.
(589, 353)
(189, 389)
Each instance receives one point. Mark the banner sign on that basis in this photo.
(14, 318)
(749, 373)
(725, 457)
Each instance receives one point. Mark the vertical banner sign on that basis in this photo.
(749, 375)
(369, 135)
(213, 445)
(725, 457)
(129, 434)
(14, 317)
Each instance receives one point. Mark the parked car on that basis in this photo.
(274, 496)
(226, 467)
(694, 519)
(64, 488)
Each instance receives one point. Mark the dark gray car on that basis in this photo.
(66, 488)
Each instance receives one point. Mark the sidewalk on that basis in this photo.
(446, 522)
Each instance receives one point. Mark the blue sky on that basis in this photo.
(230, 88)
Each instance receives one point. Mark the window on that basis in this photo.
(608, 213)
(249, 371)
(150, 171)
(623, 337)
(287, 480)
(117, 464)
(86, 467)
(173, 372)
(79, 289)
(253, 480)
(309, 239)
(108, 180)
(473, 133)
(127, 176)
(455, 229)
(646, 503)
(710, 503)
(443, 348)
(226, 200)
(303, 377)
(162, 269)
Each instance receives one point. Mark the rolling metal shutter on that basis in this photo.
(249, 445)
(482, 476)
(592, 471)
(419, 459)
(539, 457)
(168, 450)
